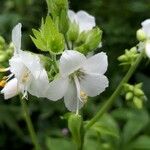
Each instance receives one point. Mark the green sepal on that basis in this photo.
(63, 21)
(73, 32)
(75, 125)
(91, 40)
(56, 6)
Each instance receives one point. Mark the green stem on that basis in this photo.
(29, 123)
(55, 63)
(116, 93)
(72, 45)
(68, 47)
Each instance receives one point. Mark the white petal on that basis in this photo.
(94, 84)
(57, 89)
(71, 97)
(10, 90)
(71, 61)
(33, 63)
(96, 64)
(38, 87)
(16, 37)
(16, 66)
(72, 16)
(147, 49)
(146, 27)
(86, 21)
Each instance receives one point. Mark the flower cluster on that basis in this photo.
(135, 94)
(75, 76)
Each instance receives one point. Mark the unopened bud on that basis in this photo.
(138, 92)
(140, 34)
(138, 102)
(129, 96)
(73, 32)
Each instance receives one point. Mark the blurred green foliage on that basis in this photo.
(124, 127)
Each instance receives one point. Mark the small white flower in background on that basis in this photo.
(146, 28)
(83, 19)
(29, 74)
(79, 78)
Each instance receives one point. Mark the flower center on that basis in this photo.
(79, 73)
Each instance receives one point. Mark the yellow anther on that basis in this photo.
(83, 96)
(2, 83)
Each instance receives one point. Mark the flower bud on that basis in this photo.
(129, 96)
(138, 102)
(92, 41)
(2, 41)
(56, 6)
(81, 39)
(61, 4)
(73, 32)
(133, 50)
(138, 92)
(140, 34)
(94, 38)
(129, 57)
(3, 58)
(128, 87)
(122, 58)
(63, 21)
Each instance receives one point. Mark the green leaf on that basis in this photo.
(91, 145)
(135, 125)
(106, 126)
(141, 143)
(9, 115)
(59, 144)
(48, 38)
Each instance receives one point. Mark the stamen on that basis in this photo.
(25, 93)
(25, 76)
(4, 69)
(78, 93)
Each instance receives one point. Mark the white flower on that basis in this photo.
(83, 19)
(146, 28)
(30, 75)
(147, 49)
(79, 77)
